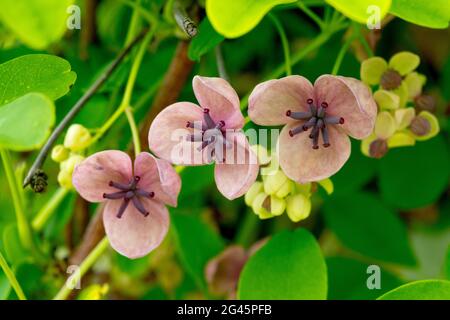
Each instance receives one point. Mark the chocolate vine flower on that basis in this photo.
(187, 134)
(398, 83)
(135, 215)
(314, 144)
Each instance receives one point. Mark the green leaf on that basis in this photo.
(37, 23)
(347, 279)
(5, 287)
(420, 290)
(46, 74)
(25, 123)
(364, 224)
(197, 243)
(345, 181)
(14, 252)
(206, 39)
(235, 18)
(360, 10)
(289, 266)
(447, 264)
(432, 14)
(415, 177)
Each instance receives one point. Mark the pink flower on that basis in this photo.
(188, 134)
(314, 144)
(135, 216)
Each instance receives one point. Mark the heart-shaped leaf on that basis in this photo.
(25, 123)
(366, 225)
(289, 266)
(432, 14)
(415, 177)
(361, 10)
(235, 18)
(206, 39)
(37, 23)
(420, 290)
(46, 74)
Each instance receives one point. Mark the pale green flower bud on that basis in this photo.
(69, 164)
(327, 185)
(251, 194)
(94, 292)
(298, 207)
(277, 206)
(260, 205)
(77, 138)
(285, 189)
(65, 179)
(60, 153)
(274, 182)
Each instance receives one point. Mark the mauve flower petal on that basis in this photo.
(301, 163)
(222, 272)
(134, 235)
(91, 177)
(270, 100)
(168, 133)
(348, 98)
(240, 170)
(158, 176)
(217, 95)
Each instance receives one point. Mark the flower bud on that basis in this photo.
(273, 183)
(60, 153)
(260, 206)
(298, 207)
(77, 138)
(251, 194)
(65, 179)
(327, 185)
(277, 206)
(424, 126)
(378, 149)
(69, 164)
(285, 189)
(94, 292)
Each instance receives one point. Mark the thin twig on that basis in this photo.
(77, 107)
(221, 63)
(184, 21)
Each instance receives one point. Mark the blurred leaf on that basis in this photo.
(198, 179)
(347, 279)
(289, 266)
(364, 224)
(54, 227)
(447, 264)
(37, 23)
(132, 267)
(112, 15)
(46, 74)
(156, 293)
(25, 123)
(420, 290)
(235, 18)
(426, 13)
(5, 287)
(197, 243)
(14, 251)
(358, 10)
(32, 281)
(206, 39)
(415, 177)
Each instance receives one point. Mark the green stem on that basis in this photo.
(48, 209)
(11, 278)
(84, 267)
(341, 54)
(284, 42)
(310, 14)
(134, 131)
(125, 104)
(22, 221)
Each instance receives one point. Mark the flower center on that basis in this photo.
(317, 120)
(391, 79)
(129, 192)
(210, 133)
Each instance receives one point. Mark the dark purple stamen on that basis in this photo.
(129, 192)
(317, 120)
(208, 123)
